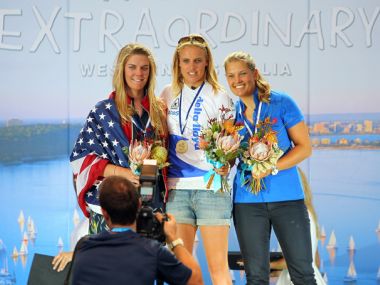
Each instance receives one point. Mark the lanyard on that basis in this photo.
(182, 129)
(257, 119)
(120, 230)
(143, 130)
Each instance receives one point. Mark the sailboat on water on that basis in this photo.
(15, 252)
(322, 232)
(23, 248)
(21, 220)
(332, 241)
(351, 244)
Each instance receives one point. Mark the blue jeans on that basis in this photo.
(200, 207)
(291, 224)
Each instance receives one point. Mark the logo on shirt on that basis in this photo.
(196, 125)
(175, 104)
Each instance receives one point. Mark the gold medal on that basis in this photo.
(181, 146)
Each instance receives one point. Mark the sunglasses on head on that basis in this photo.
(191, 39)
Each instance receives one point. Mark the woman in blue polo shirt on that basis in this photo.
(280, 204)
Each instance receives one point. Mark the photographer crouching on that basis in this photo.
(123, 256)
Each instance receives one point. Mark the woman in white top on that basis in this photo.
(193, 98)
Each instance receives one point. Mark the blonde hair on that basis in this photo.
(156, 113)
(211, 76)
(262, 85)
(309, 199)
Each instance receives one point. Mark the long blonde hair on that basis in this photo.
(211, 76)
(309, 199)
(262, 85)
(156, 110)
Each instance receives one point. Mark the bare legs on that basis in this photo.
(215, 242)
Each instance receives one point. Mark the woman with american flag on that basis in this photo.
(132, 112)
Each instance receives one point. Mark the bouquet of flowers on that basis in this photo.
(220, 142)
(138, 151)
(261, 155)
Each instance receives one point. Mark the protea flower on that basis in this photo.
(261, 150)
(228, 143)
(138, 151)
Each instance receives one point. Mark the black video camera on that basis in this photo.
(147, 224)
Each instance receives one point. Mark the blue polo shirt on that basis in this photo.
(286, 185)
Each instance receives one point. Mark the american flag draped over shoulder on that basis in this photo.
(100, 142)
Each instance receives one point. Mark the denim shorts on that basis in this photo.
(200, 207)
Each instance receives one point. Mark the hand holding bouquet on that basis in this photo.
(220, 141)
(261, 154)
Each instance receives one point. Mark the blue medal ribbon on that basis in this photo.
(246, 167)
(182, 129)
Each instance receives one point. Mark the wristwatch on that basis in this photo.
(274, 170)
(174, 243)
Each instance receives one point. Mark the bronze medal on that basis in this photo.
(181, 146)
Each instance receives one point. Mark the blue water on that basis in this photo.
(345, 183)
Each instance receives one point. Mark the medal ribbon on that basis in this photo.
(246, 124)
(182, 129)
(143, 130)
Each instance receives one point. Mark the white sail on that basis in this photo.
(378, 274)
(378, 228)
(21, 220)
(15, 252)
(351, 273)
(23, 248)
(28, 222)
(332, 240)
(322, 232)
(30, 225)
(25, 237)
(351, 243)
